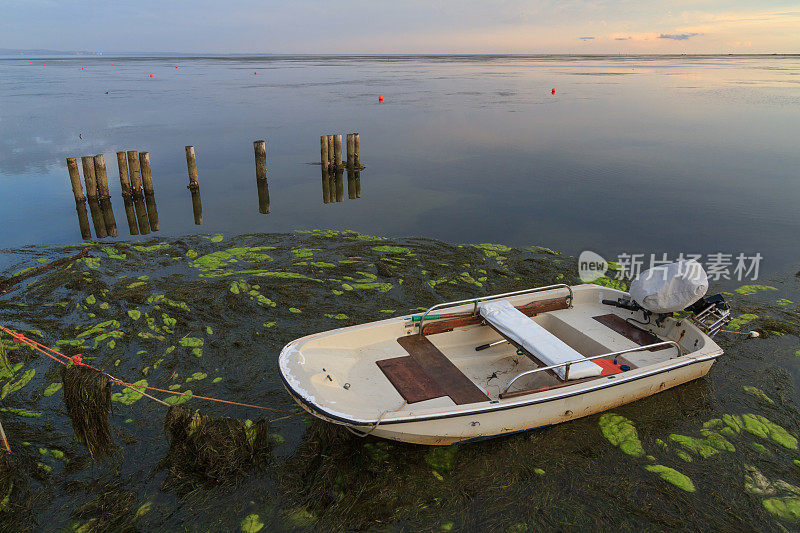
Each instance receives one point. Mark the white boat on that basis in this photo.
(501, 364)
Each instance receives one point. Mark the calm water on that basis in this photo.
(634, 154)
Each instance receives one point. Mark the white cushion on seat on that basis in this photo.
(545, 346)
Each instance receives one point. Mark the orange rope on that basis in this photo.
(77, 360)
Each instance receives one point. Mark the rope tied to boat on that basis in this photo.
(78, 361)
(380, 418)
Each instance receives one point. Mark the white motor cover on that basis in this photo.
(672, 287)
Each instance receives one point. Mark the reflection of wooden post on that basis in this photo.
(339, 184)
(326, 186)
(103, 194)
(191, 165)
(80, 199)
(351, 147)
(197, 207)
(91, 194)
(351, 184)
(323, 152)
(358, 183)
(136, 191)
(125, 184)
(356, 151)
(263, 196)
(337, 152)
(149, 192)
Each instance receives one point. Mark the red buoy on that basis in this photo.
(151, 75)
(176, 66)
(380, 98)
(553, 91)
(255, 73)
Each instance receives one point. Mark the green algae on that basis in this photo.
(380, 287)
(156, 299)
(197, 376)
(112, 253)
(621, 432)
(539, 471)
(152, 247)
(143, 510)
(99, 328)
(216, 380)
(391, 250)
(684, 456)
(762, 427)
(12, 387)
(91, 300)
(55, 454)
(209, 331)
(670, 475)
(758, 393)
(220, 259)
(734, 422)
(752, 289)
(178, 399)
(135, 314)
(251, 524)
(217, 238)
(441, 458)
(783, 302)
(128, 396)
(295, 310)
(338, 316)
(304, 252)
(700, 447)
(136, 284)
(51, 389)
(760, 448)
(21, 412)
(786, 508)
(301, 518)
(741, 320)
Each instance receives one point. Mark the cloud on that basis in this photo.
(678, 36)
(585, 38)
(622, 38)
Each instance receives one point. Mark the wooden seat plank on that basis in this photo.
(410, 380)
(629, 331)
(441, 370)
(457, 320)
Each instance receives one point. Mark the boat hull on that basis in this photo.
(469, 426)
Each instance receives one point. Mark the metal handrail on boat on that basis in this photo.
(602, 356)
(475, 301)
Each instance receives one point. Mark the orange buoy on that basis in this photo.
(151, 75)
(552, 91)
(81, 68)
(380, 98)
(176, 66)
(255, 73)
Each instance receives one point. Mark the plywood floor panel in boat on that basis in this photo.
(410, 380)
(628, 330)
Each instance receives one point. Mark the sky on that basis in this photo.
(403, 26)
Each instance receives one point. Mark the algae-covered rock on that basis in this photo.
(786, 508)
(441, 458)
(252, 524)
(758, 393)
(621, 432)
(671, 475)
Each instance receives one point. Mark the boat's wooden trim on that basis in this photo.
(629, 331)
(410, 379)
(457, 320)
(441, 370)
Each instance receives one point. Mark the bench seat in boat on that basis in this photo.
(542, 344)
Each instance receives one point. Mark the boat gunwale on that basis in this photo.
(496, 405)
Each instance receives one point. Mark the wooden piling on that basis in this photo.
(330, 151)
(134, 170)
(75, 179)
(337, 152)
(149, 191)
(260, 150)
(80, 199)
(356, 151)
(125, 185)
(91, 194)
(351, 147)
(191, 165)
(103, 195)
(263, 196)
(323, 152)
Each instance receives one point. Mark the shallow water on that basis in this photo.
(225, 306)
(632, 154)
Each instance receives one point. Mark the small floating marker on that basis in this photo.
(552, 91)
(151, 75)
(380, 98)
(176, 66)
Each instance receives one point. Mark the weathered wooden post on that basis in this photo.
(337, 152)
(323, 153)
(330, 152)
(136, 191)
(191, 165)
(104, 195)
(149, 191)
(91, 194)
(356, 151)
(80, 199)
(125, 185)
(260, 150)
(351, 148)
